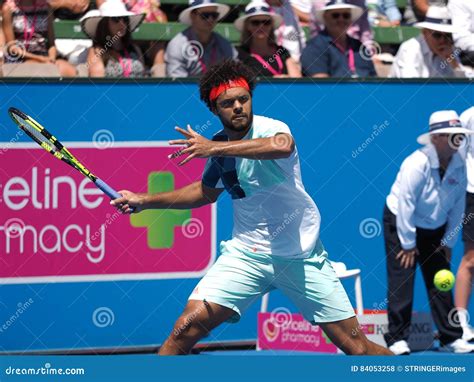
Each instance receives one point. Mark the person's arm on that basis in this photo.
(52, 53)
(303, 17)
(462, 21)
(193, 195)
(391, 11)
(421, 6)
(293, 68)
(76, 6)
(95, 63)
(279, 146)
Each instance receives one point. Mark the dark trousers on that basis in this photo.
(401, 283)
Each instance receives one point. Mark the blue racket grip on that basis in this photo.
(109, 191)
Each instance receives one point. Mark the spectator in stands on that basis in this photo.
(289, 34)
(197, 48)
(29, 35)
(302, 9)
(73, 50)
(114, 54)
(420, 7)
(359, 29)
(384, 13)
(154, 50)
(258, 48)
(462, 12)
(421, 218)
(431, 54)
(333, 53)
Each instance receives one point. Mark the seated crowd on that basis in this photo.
(273, 41)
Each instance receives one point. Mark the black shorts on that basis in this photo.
(468, 227)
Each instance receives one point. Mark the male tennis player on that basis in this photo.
(275, 241)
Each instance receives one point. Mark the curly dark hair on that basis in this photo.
(224, 72)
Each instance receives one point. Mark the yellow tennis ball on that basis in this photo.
(444, 280)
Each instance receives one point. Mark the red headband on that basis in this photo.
(237, 83)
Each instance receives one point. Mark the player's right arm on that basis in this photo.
(191, 196)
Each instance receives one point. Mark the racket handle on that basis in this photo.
(107, 190)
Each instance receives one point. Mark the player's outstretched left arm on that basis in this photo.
(276, 147)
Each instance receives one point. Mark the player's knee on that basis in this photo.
(359, 347)
(469, 263)
(188, 327)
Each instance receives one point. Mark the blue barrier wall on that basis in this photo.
(352, 138)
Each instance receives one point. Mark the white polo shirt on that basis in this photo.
(416, 60)
(419, 198)
(467, 120)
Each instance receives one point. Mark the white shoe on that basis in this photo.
(400, 348)
(468, 334)
(458, 346)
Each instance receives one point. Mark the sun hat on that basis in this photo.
(443, 122)
(185, 16)
(257, 8)
(110, 8)
(437, 19)
(356, 11)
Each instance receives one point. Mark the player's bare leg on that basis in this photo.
(197, 320)
(464, 279)
(347, 335)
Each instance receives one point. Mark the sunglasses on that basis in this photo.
(440, 35)
(209, 15)
(119, 18)
(344, 15)
(257, 23)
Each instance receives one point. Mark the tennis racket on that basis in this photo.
(50, 143)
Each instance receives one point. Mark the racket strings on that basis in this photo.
(34, 133)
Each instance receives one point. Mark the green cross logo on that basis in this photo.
(160, 224)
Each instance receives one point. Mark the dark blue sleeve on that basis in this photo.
(315, 57)
(212, 174)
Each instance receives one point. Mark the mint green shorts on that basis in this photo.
(238, 278)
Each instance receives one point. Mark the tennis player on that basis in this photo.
(275, 241)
